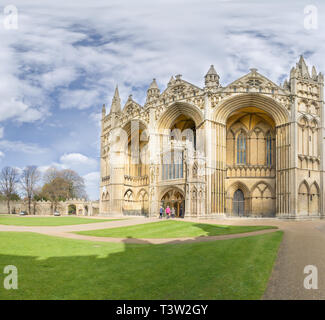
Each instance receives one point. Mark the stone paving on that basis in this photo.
(303, 244)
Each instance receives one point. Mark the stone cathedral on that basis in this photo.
(251, 148)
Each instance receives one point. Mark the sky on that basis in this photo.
(65, 58)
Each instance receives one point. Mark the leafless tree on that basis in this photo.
(50, 174)
(77, 183)
(9, 179)
(29, 180)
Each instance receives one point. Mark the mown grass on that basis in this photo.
(46, 221)
(171, 229)
(59, 268)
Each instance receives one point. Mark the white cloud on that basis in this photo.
(81, 51)
(73, 160)
(80, 99)
(19, 146)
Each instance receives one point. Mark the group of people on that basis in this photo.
(168, 212)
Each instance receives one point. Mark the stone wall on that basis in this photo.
(81, 207)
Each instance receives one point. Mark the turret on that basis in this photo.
(153, 91)
(211, 78)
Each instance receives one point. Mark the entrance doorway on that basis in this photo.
(174, 199)
(238, 203)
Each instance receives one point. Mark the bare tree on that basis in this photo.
(29, 180)
(50, 174)
(9, 178)
(76, 182)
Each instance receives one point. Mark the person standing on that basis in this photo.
(161, 212)
(173, 212)
(167, 212)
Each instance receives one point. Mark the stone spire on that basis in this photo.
(116, 102)
(302, 68)
(153, 91)
(103, 111)
(286, 85)
(171, 81)
(314, 73)
(212, 78)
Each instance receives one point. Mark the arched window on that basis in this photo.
(172, 165)
(241, 149)
(269, 149)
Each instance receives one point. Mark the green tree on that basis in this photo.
(56, 190)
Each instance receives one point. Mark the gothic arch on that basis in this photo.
(265, 183)
(269, 105)
(168, 189)
(303, 198)
(128, 127)
(263, 199)
(238, 185)
(142, 194)
(175, 110)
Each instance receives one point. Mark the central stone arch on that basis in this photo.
(280, 133)
(267, 104)
(177, 109)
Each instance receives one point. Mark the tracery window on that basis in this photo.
(172, 165)
(241, 149)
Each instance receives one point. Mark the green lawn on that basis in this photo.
(47, 221)
(58, 268)
(171, 229)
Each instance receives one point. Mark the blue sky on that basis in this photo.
(65, 58)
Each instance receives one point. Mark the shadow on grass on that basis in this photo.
(232, 269)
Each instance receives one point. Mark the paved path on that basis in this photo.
(67, 232)
(303, 244)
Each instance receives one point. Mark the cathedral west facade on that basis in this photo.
(250, 148)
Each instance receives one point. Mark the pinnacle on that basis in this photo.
(212, 70)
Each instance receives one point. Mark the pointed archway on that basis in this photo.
(175, 200)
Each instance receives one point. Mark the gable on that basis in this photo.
(179, 88)
(256, 82)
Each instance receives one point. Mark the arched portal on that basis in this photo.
(272, 165)
(238, 206)
(251, 156)
(174, 199)
(72, 209)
